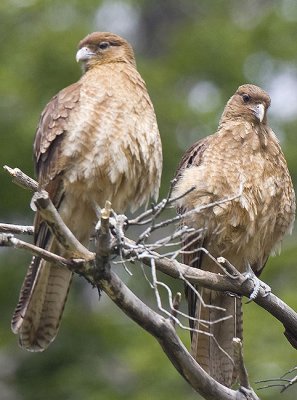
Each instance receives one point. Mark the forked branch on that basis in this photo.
(96, 269)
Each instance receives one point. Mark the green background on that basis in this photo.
(193, 55)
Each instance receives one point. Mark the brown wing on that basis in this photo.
(51, 131)
(205, 351)
(49, 164)
(50, 134)
(192, 157)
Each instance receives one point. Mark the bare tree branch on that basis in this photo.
(164, 332)
(21, 179)
(8, 240)
(238, 355)
(111, 240)
(157, 209)
(175, 304)
(61, 232)
(282, 382)
(238, 284)
(17, 229)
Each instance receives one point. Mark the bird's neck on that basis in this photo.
(89, 66)
(244, 131)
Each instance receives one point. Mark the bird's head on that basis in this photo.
(250, 103)
(103, 47)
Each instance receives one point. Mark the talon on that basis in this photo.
(256, 289)
(258, 284)
(247, 392)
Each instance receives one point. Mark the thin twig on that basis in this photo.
(8, 240)
(282, 382)
(175, 306)
(229, 268)
(21, 179)
(156, 210)
(239, 362)
(183, 216)
(16, 229)
(157, 283)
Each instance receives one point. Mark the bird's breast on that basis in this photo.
(244, 201)
(110, 144)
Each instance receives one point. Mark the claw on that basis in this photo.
(258, 284)
(249, 393)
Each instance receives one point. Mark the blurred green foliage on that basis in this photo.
(193, 55)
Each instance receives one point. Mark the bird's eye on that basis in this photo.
(103, 45)
(246, 97)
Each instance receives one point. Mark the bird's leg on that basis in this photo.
(258, 284)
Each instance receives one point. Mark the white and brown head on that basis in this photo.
(250, 103)
(103, 47)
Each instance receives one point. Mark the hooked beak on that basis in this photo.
(84, 54)
(259, 111)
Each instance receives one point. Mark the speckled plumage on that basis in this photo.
(243, 153)
(97, 140)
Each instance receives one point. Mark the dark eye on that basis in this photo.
(103, 45)
(246, 97)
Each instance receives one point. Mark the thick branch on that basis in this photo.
(164, 332)
(61, 232)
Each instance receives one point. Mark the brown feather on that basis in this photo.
(51, 131)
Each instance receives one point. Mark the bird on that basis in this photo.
(97, 140)
(234, 190)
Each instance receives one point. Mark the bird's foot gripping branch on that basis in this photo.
(111, 239)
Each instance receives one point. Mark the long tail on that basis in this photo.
(42, 299)
(213, 349)
(38, 314)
